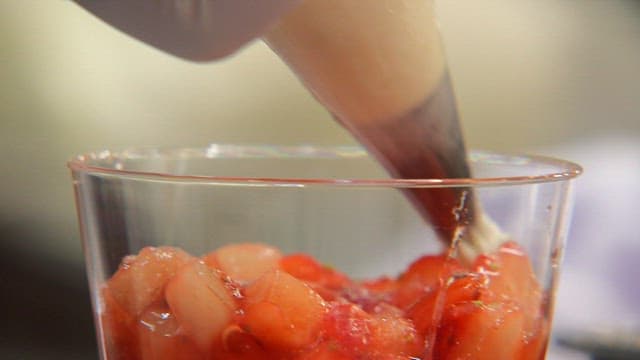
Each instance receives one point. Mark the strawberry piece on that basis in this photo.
(354, 333)
(244, 263)
(427, 313)
(467, 287)
(423, 315)
(282, 312)
(348, 329)
(382, 285)
(325, 351)
(161, 338)
(237, 344)
(203, 302)
(503, 288)
(423, 277)
(396, 336)
(306, 268)
(480, 331)
(511, 278)
(141, 279)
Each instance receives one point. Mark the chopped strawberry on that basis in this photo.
(141, 279)
(282, 312)
(237, 344)
(424, 277)
(348, 329)
(356, 334)
(305, 267)
(480, 331)
(366, 299)
(248, 302)
(462, 288)
(328, 350)
(511, 278)
(161, 337)
(423, 314)
(325, 351)
(244, 263)
(396, 336)
(470, 286)
(203, 302)
(383, 285)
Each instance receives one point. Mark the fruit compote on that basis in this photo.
(250, 301)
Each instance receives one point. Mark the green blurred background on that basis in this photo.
(529, 75)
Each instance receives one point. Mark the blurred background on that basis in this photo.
(547, 76)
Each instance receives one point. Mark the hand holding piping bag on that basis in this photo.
(197, 30)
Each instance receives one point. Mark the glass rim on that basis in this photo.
(566, 170)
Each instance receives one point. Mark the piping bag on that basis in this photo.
(379, 68)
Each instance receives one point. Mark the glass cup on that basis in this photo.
(260, 252)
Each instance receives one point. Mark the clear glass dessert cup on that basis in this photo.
(270, 252)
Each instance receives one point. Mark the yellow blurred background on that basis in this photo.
(529, 75)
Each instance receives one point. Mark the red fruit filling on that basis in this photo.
(249, 301)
